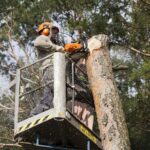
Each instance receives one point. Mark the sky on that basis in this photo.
(4, 83)
(4, 80)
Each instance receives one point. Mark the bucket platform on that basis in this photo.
(57, 128)
(51, 131)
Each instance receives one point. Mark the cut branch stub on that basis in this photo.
(97, 42)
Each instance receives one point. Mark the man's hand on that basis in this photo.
(61, 49)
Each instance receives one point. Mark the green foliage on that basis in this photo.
(126, 22)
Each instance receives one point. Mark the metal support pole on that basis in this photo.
(88, 145)
(73, 86)
(37, 139)
(59, 84)
(17, 100)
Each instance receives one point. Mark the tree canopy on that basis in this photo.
(127, 24)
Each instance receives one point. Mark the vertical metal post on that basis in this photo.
(17, 100)
(73, 86)
(37, 139)
(59, 84)
(88, 145)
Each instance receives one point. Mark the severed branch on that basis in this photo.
(119, 67)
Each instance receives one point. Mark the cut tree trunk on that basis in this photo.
(111, 120)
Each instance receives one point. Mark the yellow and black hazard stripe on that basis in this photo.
(34, 123)
(88, 134)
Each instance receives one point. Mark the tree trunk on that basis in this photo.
(111, 120)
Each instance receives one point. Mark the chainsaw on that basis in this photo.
(78, 48)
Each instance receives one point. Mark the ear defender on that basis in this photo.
(46, 31)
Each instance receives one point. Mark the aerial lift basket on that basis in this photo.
(56, 128)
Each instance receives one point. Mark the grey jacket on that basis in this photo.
(45, 47)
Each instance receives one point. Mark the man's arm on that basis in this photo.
(43, 42)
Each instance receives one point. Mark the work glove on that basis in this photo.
(61, 49)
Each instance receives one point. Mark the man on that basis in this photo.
(46, 43)
(47, 39)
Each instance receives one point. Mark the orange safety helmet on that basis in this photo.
(46, 27)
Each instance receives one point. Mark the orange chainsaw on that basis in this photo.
(72, 47)
(76, 50)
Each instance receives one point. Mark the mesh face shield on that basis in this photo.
(55, 35)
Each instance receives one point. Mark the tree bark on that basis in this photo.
(111, 120)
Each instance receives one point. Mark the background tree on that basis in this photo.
(125, 22)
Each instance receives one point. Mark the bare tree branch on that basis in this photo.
(12, 53)
(10, 98)
(2, 145)
(145, 2)
(129, 47)
(5, 107)
(138, 51)
(1, 46)
(8, 139)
